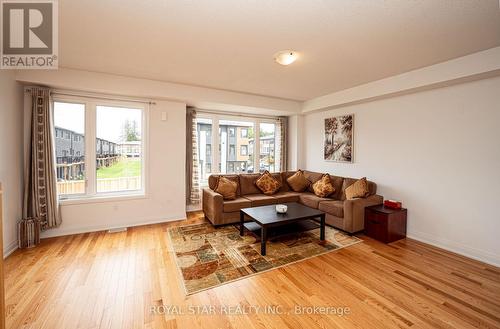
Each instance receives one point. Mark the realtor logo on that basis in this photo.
(29, 34)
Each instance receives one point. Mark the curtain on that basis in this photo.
(40, 190)
(192, 171)
(282, 141)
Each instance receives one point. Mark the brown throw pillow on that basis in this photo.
(357, 190)
(267, 183)
(298, 181)
(323, 187)
(227, 188)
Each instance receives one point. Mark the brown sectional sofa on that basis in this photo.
(347, 215)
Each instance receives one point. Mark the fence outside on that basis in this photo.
(103, 185)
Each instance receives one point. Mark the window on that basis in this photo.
(234, 145)
(268, 156)
(119, 160)
(204, 130)
(209, 152)
(69, 118)
(99, 148)
(227, 146)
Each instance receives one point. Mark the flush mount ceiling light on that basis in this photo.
(285, 57)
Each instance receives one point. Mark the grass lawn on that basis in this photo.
(123, 168)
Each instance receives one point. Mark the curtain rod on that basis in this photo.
(96, 96)
(233, 114)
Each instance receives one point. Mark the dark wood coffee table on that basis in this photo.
(266, 217)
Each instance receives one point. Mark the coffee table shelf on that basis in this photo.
(266, 220)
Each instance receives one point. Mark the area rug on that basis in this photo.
(208, 257)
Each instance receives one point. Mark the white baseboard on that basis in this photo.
(453, 246)
(78, 230)
(10, 248)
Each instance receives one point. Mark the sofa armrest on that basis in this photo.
(212, 205)
(354, 212)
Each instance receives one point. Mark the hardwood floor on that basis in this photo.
(111, 280)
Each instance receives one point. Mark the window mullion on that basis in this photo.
(257, 146)
(215, 143)
(90, 158)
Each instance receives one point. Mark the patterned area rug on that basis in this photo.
(208, 257)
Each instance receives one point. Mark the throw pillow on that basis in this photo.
(227, 188)
(323, 187)
(267, 183)
(298, 181)
(357, 190)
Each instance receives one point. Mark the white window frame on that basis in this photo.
(216, 118)
(91, 195)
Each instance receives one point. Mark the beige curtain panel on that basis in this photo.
(40, 194)
(192, 170)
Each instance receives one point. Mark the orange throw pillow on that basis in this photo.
(323, 187)
(227, 188)
(298, 181)
(267, 183)
(357, 190)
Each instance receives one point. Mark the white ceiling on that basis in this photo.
(229, 44)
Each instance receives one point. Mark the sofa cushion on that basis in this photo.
(334, 207)
(247, 182)
(311, 200)
(372, 187)
(236, 204)
(283, 197)
(357, 190)
(278, 177)
(258, 200)
(213, 179)
(347, 182)
(227, 188)
(268, 184)
(298, 181)
(284, 176)
(337, 183)
(312, 177)
(323, 187)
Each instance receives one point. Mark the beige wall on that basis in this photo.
(11, 156)
(200, 97)
(438, 151)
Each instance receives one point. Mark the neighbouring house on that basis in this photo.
(70, 150)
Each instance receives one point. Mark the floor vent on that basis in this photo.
(118, 229)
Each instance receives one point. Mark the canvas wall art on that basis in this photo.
(338, 144)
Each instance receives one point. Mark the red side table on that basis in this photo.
(385, 224)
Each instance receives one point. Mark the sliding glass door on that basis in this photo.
(241, 145)
(205, 149)
(268, 157)
(235, 155)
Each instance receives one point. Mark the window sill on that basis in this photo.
(102, 199)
